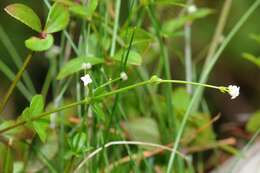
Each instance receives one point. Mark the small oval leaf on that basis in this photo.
(37, 105)
(25, 15)
(58, 18)
(75, 65)
(36, 108)
(39, 44)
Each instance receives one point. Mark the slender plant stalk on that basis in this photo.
(10, 75)
(216, 41)
(188, 58)
(48, 80)
(205, 75)
(109, 144)
(16, 58)
(237, 159)
(116, 24)
(219, 30)
(88, 100)
(16, 80)
(188, 51)
(166, 65)
(85, 101)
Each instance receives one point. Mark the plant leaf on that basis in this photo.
(25, 15)
(36, 108)
(26, 115)
(142, 38)
(255, 37)
(84, 11)
(134, 58)
(8, 160)
(170, 2)
(40, 127)
(37, 105)
(252, 59)
(39, 44)
(75, 65)
(183, 98)
(58, 18)
(253, 123)
(140, 132)
(171, 26)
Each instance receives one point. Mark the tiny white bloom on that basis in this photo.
(233, 91)
(123, 76)
(86, 79)
(192, 9)
(86, 66)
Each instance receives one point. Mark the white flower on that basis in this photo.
(233, 91)
(123, 76)
(86, 79)
(192, 9)
(86, 66)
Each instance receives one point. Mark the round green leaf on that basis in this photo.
(75, 65)
(39, 44)
(25, 15)
(58, 18)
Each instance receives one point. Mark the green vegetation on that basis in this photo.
(108, 101)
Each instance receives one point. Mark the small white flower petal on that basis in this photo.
(233, 91)
(123, 76)
(86, 79)
(192, 9)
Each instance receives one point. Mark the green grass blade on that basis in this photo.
(10, 75)
(204, 78)
(16, 58)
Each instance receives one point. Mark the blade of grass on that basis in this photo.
(187, 50)
(11, 76)
(112, 143)
(205, 75)
(116, 25)
(16, 59)
(216, 40)
(250, 142)
(16, 80)
(167, 74)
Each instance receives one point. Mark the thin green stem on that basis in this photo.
(10, 75)
(112, 143)
(48, 80)
(16, 59)
(190, 83)
(205, 75)
(16, 80)
(216, 41)
(153, 80)
(245, 148)
(108, 83)
(116, 24)
(85, 101)
(188, 54)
